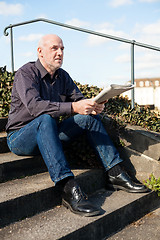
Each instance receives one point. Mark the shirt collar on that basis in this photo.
(43, 71)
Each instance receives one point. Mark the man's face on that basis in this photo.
(51, 53)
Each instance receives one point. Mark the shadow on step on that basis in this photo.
(28, 205)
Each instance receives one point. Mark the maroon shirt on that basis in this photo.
(35, 93)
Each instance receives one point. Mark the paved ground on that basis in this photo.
(147, 228)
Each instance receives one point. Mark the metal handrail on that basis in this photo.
(132, 42)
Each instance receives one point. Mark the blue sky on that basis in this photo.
(88, 59)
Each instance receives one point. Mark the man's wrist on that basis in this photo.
(73, 107)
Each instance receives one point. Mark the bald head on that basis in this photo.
(50, 52)
(46, 38)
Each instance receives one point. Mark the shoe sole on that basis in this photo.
(117, 188)
(66, 204)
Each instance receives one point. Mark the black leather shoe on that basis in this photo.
(74, 199)
(124, 182)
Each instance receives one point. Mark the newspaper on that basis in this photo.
(112, 91)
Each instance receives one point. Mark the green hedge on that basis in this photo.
(6, 82)
(119, 109)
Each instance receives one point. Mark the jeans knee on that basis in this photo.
(90, 120)
(46, 120)
(93, 118)
(45, 117)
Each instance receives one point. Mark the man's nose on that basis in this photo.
(60, 51)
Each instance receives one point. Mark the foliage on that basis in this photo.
(6, 81)
(153, 184)
(120, 109)
(88, 91)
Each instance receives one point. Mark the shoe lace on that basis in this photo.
(79, 194)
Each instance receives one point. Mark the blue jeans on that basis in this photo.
(44, 136)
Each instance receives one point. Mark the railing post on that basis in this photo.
(12, 54)
(132, 73)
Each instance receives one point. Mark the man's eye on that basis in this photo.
(54, 48)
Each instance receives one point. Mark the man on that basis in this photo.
(42, 92)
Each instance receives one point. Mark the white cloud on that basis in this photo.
(95, 40)
(31, 37)
(149, 33)
(153, 28)
(118, 3)
(78, 23)
(10, 9)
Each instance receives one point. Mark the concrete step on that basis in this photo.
(36, 195)
(137, 138)
(25, 197)
(143, 141)
(3, 142)
(13, 166)
(139, 165)
(118, 209)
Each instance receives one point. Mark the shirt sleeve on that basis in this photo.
(28, 90)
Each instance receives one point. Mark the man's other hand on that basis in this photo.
(86, 107)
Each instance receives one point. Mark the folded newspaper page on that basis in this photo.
(112, 91)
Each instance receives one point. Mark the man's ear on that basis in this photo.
(39, 50)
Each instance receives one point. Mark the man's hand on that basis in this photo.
(86, 107)
(98, 109)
